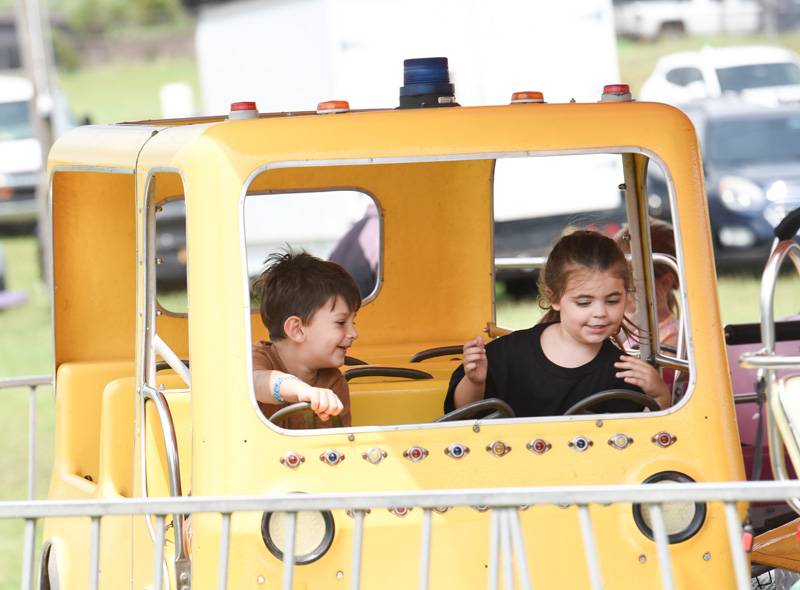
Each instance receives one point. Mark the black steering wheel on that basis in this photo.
(497, 408)
(285, 412)
(582, 407)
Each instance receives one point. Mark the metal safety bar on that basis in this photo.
(33, 383)
(182, 560)
(767, 362)
(507, 555)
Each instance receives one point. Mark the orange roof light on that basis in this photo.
(527, 96)
(616, 93)
(333, 106)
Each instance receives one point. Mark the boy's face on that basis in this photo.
(329, 333)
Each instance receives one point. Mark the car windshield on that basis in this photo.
(736, 79)
(754, 140)
(15, 121)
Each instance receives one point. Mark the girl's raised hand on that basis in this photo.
(644, 376)
(475, 363)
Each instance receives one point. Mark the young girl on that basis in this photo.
(662, 240)
(570, 354)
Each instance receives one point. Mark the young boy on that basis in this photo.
(309, 307)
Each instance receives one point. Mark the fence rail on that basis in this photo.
(507, 558)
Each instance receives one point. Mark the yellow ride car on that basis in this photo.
(154, 402)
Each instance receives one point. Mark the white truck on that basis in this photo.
(653, 19)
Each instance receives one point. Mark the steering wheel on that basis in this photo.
(582, 407)
(500, 410)
(285, 412)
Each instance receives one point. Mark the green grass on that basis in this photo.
(126, 91)
(26, 345)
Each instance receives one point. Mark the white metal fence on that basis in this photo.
(507, 555)
(33, 383)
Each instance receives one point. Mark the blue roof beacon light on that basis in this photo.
(426, 83)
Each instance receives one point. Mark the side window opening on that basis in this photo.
(535, 200)
(171, 255)
(338, 225)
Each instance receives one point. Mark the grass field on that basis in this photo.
(129, 92)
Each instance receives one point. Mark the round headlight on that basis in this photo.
(314, 532)
(681, 519)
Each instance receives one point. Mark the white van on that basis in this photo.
(20, 153)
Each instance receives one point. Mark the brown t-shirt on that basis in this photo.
(265, 358)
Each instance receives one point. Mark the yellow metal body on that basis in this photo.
(430, 171)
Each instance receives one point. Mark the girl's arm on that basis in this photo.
(473, 384)
(644, 376)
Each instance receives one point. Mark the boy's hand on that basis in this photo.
(644, 376)
(474, 361)
(323, 402)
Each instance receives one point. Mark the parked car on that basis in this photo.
(652, 19)
(20, 152)
(751, 156)
(760, 74)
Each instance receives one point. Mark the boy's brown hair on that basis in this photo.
(298, 284)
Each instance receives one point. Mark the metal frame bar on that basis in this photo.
(662, 546)
(518, 546)
(750, 491)
(28, 553)
(94, 559)
(224, 551)
(590, 547)
(735, 539)
(288, 553)
(766, 361)
(494, 549)
(505, 527)
(425, 551)
(358, 545)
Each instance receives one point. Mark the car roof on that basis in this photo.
(721, 57)
(724, 109)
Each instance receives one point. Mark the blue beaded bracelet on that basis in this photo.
(276, 387)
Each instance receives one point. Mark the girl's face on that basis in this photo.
(592, 305)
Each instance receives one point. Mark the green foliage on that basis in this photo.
(125, 91)
(104, 16)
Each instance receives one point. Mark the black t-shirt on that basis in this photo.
(521, 375)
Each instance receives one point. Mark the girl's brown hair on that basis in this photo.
(662, 241)
(579, 250)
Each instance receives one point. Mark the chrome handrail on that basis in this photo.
(767, 362)
(173, 468)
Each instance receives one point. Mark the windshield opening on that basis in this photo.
(756, 140)
(15, 121)
(736, 79)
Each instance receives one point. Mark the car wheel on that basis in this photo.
(671, 29)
